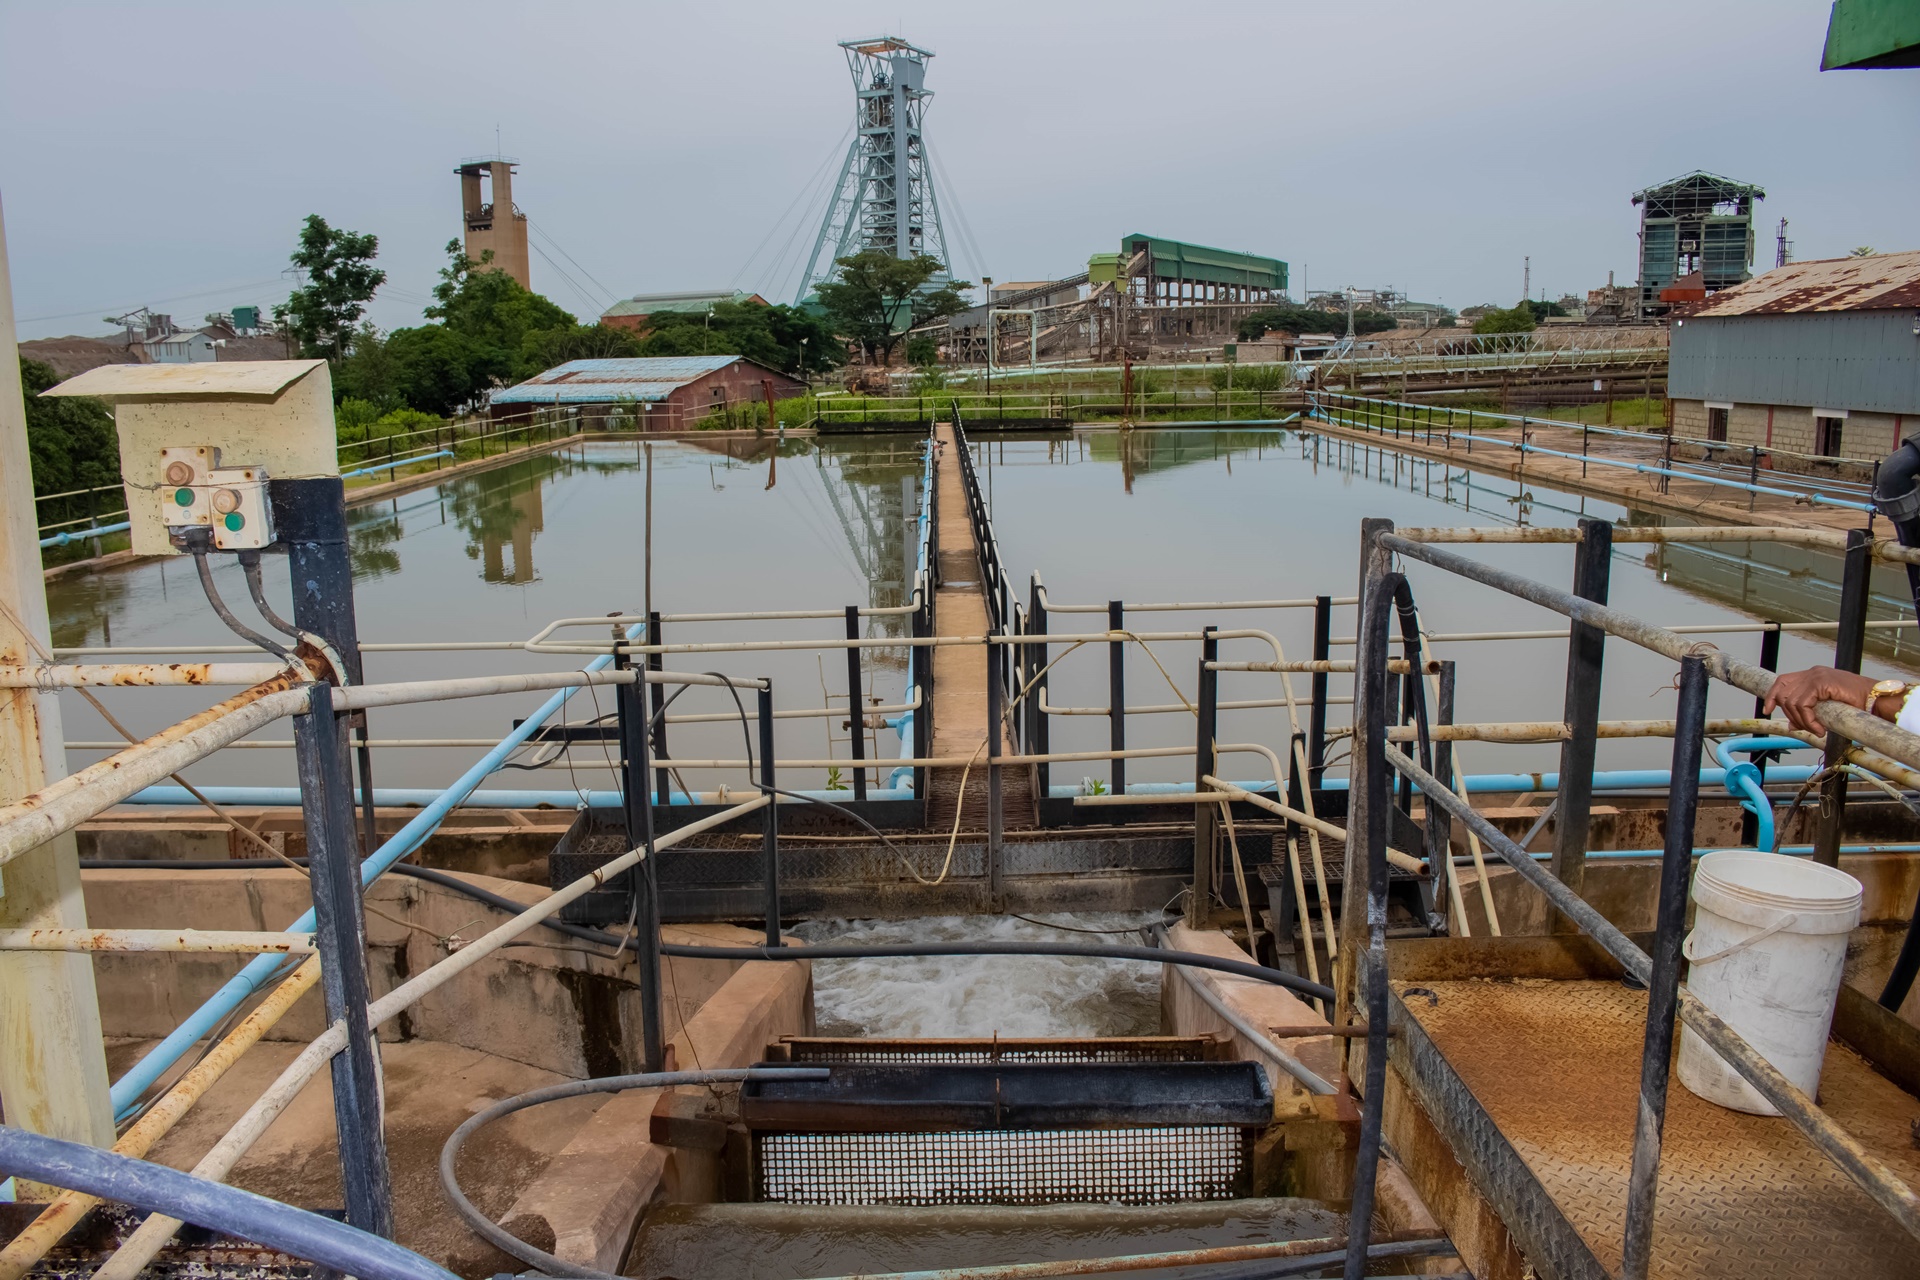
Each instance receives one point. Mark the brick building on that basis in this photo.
(1819, 358)
(667, 393)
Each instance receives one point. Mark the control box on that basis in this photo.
(185, 480)
(237, 502)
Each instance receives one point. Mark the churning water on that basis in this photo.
(967, 996)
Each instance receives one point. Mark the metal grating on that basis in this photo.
(1010, 1167)
(1107, 1049)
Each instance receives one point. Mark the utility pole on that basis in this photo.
(1526, 279)
(1782, 247)
(53, 1065)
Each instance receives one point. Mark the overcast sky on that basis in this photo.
(165, 155)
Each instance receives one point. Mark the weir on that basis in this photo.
(1385, 1027)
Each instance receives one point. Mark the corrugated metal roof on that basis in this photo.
(1885, 281)
(266, 378)
(603, 381)
(647, 304)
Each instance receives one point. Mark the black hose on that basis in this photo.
(1151, 955)
(234, 624)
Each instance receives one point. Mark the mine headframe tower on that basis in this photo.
(1700, 225)
(884, 199)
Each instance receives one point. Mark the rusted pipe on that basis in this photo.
(66, 1209)
(61, 806)
(79, 675)
(1163, 1261)
(1405, 861)
(202, 940)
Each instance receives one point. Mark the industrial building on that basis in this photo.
(633, 313)
(1696, 238)
(667, 393)
(1817, 357)
(493, 223)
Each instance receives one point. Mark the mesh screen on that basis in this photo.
(1005, 1166)
(1115, 1050)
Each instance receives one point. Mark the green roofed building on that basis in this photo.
(1177, 273)
(1867, 35)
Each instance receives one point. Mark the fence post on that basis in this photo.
(770, 822)
(1205, 817)
(996, 827)
(1117, 695)
(1439, 821)
(1753, 475)
(1317, 716)
(341, 929)
(631, 705)
(657, 702)
(922, 660)
(1035, 693)
(1593, 559)
(856, 712)
(1663, 991)
(1849, 644)
(1769, 661)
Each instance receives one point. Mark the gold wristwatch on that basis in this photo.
(1883, 689)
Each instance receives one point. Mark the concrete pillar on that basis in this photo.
(53, 1067)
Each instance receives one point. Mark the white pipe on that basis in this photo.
(153, 1234)
(61, 806)
(224, 940)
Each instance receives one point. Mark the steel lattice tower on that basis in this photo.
(884, 198)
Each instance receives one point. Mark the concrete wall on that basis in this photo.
(560, 1010)
(1866, 437)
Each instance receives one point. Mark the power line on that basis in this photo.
(953, 198)
(805, 189)
(561, 271)
(177, 297)
(548, 237)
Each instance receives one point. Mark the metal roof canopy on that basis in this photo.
(1696, 193)
(1869, 35)
(640, 379)
(1176, 259)
(237, 379)
(1884, 281)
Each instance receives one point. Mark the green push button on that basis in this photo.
(235, 521)
(183, 497)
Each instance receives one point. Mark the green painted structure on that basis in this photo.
(1866, 35)
(1175, 261)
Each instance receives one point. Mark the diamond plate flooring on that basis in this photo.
(1556, 1065)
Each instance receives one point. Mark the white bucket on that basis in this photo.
(1768, 947)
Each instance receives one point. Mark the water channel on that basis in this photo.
(1154, 515)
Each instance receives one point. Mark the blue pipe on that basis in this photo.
(211, 1204)
(1480, 783)
(1743, 778)
(396, 463)
(420, 797)
(63, 539)
(1790, 850)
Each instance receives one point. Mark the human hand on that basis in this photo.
(1798, 692)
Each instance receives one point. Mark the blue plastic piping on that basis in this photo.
(420, 797)
(204, 1202)
(1789, 850)
(78, 535)
(1743, 779)
(394, 464)
(1480, 783)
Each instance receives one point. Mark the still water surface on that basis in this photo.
(1177, 514)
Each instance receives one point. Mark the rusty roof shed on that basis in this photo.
(1839, 333)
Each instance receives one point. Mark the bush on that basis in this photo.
(1518, 319)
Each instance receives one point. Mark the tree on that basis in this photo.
(875, 298)
(436, 369)
(1298, 320)
(1863, 251)
(1541, 309)
(779, 337)
(341, 280)
(71, 439)
(1519, 319)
